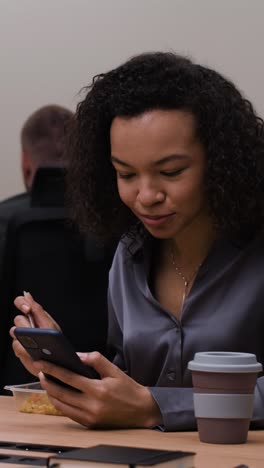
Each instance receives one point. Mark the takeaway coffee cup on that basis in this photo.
(223, 391)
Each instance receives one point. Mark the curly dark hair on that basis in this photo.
(228, 127)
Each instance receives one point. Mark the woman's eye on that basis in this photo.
(124, 176)
(172, 173)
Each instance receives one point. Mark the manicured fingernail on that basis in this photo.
(82, 356)
(25, 308)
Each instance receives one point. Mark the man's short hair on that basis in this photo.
(43, 134)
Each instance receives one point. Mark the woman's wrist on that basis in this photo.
(151, 415)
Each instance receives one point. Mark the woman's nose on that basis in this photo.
(150, 195)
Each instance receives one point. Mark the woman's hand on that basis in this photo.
(114, 401)
(42, 320)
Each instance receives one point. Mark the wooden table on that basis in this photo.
(19, 427)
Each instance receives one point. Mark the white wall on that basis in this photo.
(49, 49)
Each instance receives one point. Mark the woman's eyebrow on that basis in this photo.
(172, 157)
(118, 161)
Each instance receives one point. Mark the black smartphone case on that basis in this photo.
(51, 345)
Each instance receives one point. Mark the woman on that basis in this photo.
(169, 155)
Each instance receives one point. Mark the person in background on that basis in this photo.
(169, 154)
(42, 147)
(43, 140)
(48, 256)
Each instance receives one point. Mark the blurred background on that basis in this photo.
(50, 49)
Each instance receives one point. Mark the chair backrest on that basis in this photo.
(64, 271)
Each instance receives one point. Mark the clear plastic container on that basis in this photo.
(31, 398)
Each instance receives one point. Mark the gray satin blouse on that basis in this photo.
(224, 311)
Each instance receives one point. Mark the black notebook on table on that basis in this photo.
(112, 456)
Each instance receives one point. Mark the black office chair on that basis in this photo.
(64, 271)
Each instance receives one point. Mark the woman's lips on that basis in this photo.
(156, 220)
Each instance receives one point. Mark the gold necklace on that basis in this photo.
(186, 281)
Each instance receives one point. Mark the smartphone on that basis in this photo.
(53, 346)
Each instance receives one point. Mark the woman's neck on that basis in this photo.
(190, 247)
